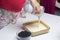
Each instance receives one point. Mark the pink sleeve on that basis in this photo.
(17, 3)
(12, 4)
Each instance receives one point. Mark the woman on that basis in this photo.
(16, 5)
(11, 9)
(49, 5)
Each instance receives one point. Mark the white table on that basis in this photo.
(9, 32)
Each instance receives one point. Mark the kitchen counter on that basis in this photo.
(9, 32)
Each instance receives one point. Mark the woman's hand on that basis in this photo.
(36, 6)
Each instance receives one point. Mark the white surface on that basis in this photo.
(9, 32)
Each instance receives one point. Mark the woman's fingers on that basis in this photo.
(36, 8)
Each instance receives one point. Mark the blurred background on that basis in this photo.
(51, 6)
(57, 8)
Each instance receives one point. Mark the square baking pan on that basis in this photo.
(36, 28)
